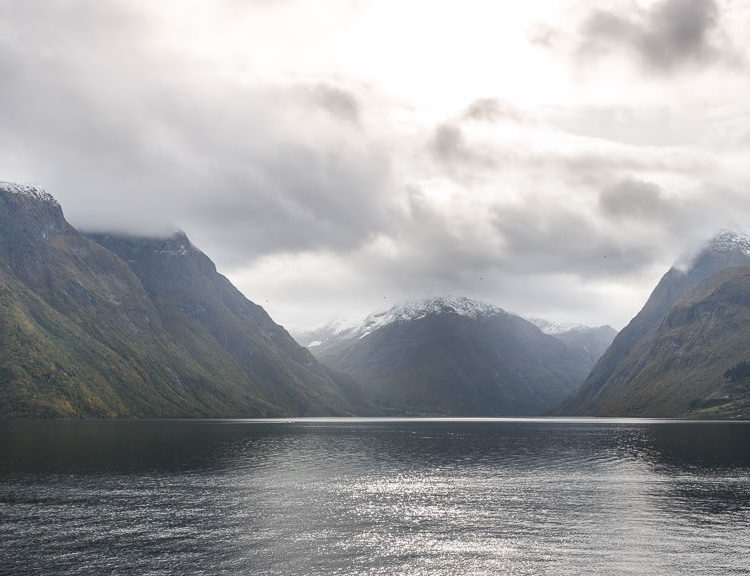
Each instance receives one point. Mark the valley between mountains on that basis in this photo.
(113, 326)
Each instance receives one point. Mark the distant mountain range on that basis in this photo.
(113, 326)
(683, 354)
(106, 325)
(456, 356)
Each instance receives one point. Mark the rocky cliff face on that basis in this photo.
(29, 219)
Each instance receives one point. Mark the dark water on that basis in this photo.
(367, 497)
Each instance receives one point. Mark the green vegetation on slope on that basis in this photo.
(608, 389)
(694, 365)
(81, 336)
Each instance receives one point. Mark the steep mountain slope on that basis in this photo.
(322, 334)
(628, 353)
(82, 337)
(593, 340)
(68, 304)
(705, 334)
(455, 356)
(207, 316)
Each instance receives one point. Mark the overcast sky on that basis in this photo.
(336, 157)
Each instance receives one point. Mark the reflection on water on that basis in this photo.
(365, 497)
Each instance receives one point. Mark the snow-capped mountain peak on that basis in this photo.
(415, 310)
(731, 241)
(324, 333)
(554, 328)
(28, 190)
(731, 244)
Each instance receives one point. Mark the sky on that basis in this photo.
(336, 157)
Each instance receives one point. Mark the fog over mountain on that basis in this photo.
(549, 157)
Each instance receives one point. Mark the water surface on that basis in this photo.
(375, 497)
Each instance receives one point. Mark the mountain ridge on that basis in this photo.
(83, 335)
(627, 355)
(703, 336)
(455, 356)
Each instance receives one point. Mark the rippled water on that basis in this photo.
(375, 497)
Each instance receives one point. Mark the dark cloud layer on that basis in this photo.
(630, 198)
(583, 245)
(299, 199)
(669, 35)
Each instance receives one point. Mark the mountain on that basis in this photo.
(552, 327)
(688, 368)
(154, 331)
(459, 357)
(207, 316)
(609, 388)
(321, 334)
(594, 341)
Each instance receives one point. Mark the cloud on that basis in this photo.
(295, 198)
(448, 144)
(631, 198)
(339, 102)
(455, 156)
(555, 239)
(669, 35)
(543, 35)
(133, 137)
(491, 110)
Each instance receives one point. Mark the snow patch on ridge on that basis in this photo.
(324, 333)
(555, 328)
(28, 190)
(731, 241)
(725, 242)
(411, 311)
